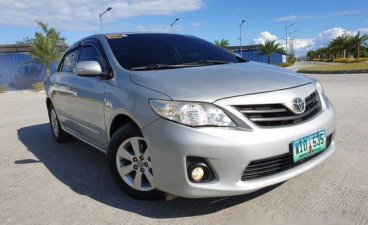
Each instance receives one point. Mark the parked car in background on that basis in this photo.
(176, 114)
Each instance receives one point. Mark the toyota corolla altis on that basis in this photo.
(176, 114)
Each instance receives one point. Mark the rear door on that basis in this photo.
(60, 87)
(87, 99)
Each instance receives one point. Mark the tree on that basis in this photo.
(270, 47)
(339, 46)
(223, 43)
(357, 41)
(46, 47)
(311, 55)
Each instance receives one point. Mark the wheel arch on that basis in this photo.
(118, 121)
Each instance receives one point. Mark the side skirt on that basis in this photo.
(85, 141)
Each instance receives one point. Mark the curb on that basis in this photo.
(332, 72)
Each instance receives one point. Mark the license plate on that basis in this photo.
(309, 145)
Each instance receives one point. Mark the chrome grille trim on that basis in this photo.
(278, 114)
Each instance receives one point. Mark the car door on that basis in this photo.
(60, 87)
(87, 100)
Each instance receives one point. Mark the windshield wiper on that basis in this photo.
(209, 62)
(166, 66)
(153, 67)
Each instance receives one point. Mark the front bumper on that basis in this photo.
(228, 151)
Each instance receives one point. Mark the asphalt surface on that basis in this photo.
(43, 182)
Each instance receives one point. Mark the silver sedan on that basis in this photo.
(178, 115)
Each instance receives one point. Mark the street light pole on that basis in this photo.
(292, 40)
(172, 24)
(240, 37)
(286, 38)
(101, 14)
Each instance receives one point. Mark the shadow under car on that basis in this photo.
(85, 171)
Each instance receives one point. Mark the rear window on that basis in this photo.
(136, 50)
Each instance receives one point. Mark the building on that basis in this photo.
(252, 53)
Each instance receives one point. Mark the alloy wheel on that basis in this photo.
(133, 163)
(54, 123)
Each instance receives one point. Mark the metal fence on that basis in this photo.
(19, 71)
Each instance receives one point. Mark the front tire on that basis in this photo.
(130, 163)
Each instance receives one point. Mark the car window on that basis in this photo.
(90, 53)
(135, 50)
(69, 61)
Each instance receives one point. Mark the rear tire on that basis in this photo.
(130, 164)
(58, 133)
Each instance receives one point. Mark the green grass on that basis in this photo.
(361, 67)
(349, 60)
(3, 89)
(39, 86)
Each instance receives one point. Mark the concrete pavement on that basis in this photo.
(43, 182)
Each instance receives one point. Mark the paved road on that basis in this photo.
(47, 183)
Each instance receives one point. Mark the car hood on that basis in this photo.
(210, 83)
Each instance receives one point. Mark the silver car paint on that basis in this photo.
(86, 107)
(229, 151)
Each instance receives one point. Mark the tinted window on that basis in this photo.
(69, 61)
(90, 53)
(135, 50)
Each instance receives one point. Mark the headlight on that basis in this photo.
(320, 88)
(191, 113)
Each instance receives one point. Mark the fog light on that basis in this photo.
(197, 174)
(198, 170)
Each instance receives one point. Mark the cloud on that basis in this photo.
(82, 15)
(196, 24)
(293, 18)
(325, 37)
(302, 45)
(155, 28)
(362, 30)
(263, 37)
(309, 17)
(344, 13)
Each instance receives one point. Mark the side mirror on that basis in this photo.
(87, 68)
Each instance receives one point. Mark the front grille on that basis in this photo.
(278, 115)
(266, 167)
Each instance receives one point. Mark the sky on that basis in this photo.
(316, 21)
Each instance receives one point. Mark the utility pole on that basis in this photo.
(101, 14)
(240, 37)
(292, 41)
(286, 38)
(172, 24)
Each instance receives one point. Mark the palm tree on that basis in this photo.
(270, 47)
(45, 47)
(311, 55)
(339, 46)
(223, 43)
(357, 41)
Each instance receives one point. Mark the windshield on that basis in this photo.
(167, 51)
